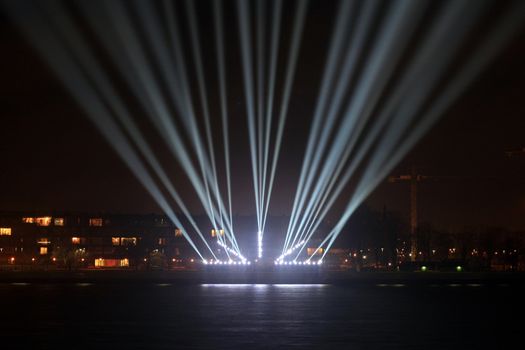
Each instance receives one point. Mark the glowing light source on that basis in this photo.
(43, 221)
(58, 221)
(95, 222)
(5, 231)
(259, 244)
(291, 250)
(231, 251)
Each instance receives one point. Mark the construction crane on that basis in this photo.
(414, 178)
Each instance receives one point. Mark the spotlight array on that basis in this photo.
(227, 262)
(290, 251)
(394, 98)
(259, 122)
(365, 119)
(231, 251)
(295, 262)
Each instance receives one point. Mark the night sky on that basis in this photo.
(52, 158)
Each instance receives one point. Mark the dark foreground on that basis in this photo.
(165, 314)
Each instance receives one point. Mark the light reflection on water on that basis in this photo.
(237, 286)
(256, 316)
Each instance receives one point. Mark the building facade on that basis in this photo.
(91, 240)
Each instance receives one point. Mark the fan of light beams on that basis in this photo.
(391, 69)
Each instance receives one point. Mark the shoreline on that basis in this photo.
(265, 277)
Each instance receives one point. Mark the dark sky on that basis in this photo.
(52, 158)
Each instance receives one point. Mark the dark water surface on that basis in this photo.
(165, 316)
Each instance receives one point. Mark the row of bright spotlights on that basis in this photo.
(245, 262)
(290, 251)
(231, 251)
(306, 262)
(229, 262)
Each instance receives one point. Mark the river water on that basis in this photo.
(167, 316)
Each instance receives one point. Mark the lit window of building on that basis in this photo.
(178, 232)
(111, 262)
(128, 240)
(43, 221)
(310, 251)
(75, 240)
(5, 231)
(161, 241)
(58, 221)
(28, 220)
(95, 222)
(44, 241)
(214, 232)
(115, 240)
(43, 250)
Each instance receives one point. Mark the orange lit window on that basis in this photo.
(28, 220)
(178, 232)
(115, 240)
(214, 232)
(310, 251)
(43, 241)
(95, 222)
(111, 262)
(43, 250)
(128, 240)
(161, 241)
(58, 221)
(43, 221)
(5, 231)
(75, 240)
